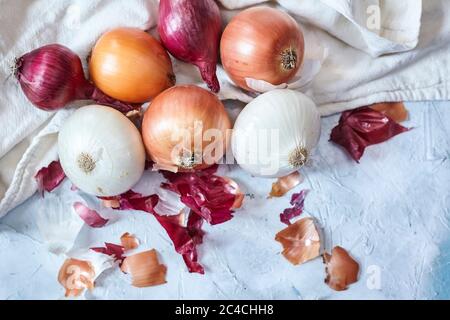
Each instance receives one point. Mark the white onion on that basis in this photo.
(101, 151)
(275, 133)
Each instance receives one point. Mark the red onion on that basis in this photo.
(52, 76)
(190, 31)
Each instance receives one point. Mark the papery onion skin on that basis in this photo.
(394, 110)
(341, 269)
(262, 43)
(300, 241)
(76, 276)
(190, 30)
(101, 151)
(362, 127)
(114, 250)
(52, 76)
(91, 217)
(145, 269)
(171, 121)
(130, 65)
(275, 134)
(49, 178)
(212, 197)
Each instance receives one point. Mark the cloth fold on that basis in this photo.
(379, 50)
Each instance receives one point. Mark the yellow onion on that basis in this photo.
(185, 128)
(130, 65)
(262, 43)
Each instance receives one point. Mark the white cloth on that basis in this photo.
(406, 58)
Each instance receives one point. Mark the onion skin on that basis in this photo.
(101, 151)
(262, 43)
(59, 87)
(130, 65)
(190, 30)
(293, 118)
(52, 76)
(172, 116)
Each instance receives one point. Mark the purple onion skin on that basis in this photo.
(190, 31)
(52, 76)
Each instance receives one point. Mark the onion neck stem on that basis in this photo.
(87, 91)
(208, 73)
(298, 157)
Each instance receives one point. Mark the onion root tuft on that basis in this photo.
(298, 157)
(86, 163)
(289, 59)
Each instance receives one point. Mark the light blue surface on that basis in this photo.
(392, 211)
(441, 285)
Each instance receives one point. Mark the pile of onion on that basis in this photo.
(130, 65)
(101, 151)
(185, 129)
(52, 77)
(262, 43)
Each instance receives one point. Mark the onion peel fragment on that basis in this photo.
(233, 188)
(111, 203)
(114, 250)
(300, 241)
(129, 241)
(129, 200)
(394, 110)
(91, 217)
(210, 196)
(363, 127)
(297, 202)
(76, 276)
(185, 238)
(341, 269)
(285, 184)
(49, 178)
(145, 269)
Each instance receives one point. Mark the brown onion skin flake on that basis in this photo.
(300, 241)
(341, 269)
(145, 269)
